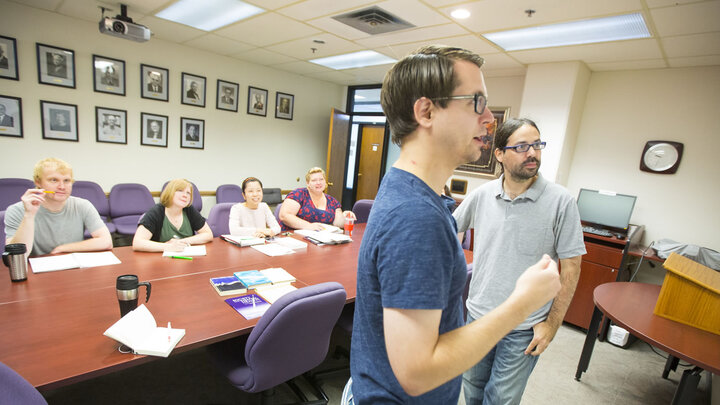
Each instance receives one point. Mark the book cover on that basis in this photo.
(228, 285)
(252, 279)
(278, 275)
(250, 306)
(139, 331)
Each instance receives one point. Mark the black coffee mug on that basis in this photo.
(127, 292)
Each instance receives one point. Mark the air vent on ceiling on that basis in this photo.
(373, 21)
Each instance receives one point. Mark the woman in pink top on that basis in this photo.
(252, 217)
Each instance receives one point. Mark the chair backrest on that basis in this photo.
(272, 196)
(277, 213)
(361, 208)
(92, 192)
(197, 198)
(11, 189)
(219, 218)
(293, 335)
(466, 241)
(14, 389)
(2, 231)
(229, 193)
(129, 199)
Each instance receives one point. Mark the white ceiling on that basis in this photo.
(684, 32)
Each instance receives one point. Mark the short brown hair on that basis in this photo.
(314, 170)
(174, 185)
(50, 164)
(427, 72)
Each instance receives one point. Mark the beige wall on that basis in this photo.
(237, 145)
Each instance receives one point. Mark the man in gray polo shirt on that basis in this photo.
(517, 218)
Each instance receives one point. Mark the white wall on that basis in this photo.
(237, 145)
(624, 110)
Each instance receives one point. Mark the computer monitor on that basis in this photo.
(606, 210)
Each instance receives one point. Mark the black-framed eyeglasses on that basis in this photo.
(524, 147)
(479, 99)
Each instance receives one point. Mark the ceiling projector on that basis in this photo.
(122, 26)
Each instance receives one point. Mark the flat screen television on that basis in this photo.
(605, 210)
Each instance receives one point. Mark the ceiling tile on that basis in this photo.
(335, 27)
(628, 65)
(43, 4)
(494, 61)
(263, 57)
(301, 48)
(665, 3)
(302, 67)
(414, 12)
(687, 19)
(470, 42)
(413, 35)
(692, 45)
(592, 53)
(266, 29)
(711, 60)
(270, 4)
(169, 30)
(441, 3)
(218, 44)
(311, 9)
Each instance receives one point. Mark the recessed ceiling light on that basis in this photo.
(208, 15)
(460, 14)
(353, 60)
(629, 26)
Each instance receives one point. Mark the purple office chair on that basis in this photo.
(361, 208)
(129, 201)
(219, 218)
(277, 213)
(14, 389)
(92, 192)
(11, 189)
(290, 339)
(229, 193)
(197, 198)
(466, 240)
(2, 231)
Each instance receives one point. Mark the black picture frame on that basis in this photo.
(8, 58)
(227, 95)
(194, 89)
(149, 136)
(192, 133)
(56, 66)
(284, 105)
(108, 75)
(486, 165)
(110, 125)
(257, 101)
(59, 121)
(11, 116)
(154, 82)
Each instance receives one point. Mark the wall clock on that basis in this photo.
(662, 157)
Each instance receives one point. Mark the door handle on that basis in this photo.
(359, 174)
(330, 184)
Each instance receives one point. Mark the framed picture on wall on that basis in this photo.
(59, 121)
(193, 90)
(257, 101)
(110, 125)
(284, 105)
(192, 133)
(8, 58)
(154, 129)
(108, 75)
(154, 82)
(485, 165)
(227, 95)
(56, 66)
(11, 116)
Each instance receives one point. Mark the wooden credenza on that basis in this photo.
(605, 261)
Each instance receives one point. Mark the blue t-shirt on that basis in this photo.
(410, 258)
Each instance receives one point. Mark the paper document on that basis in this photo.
(243, 241)
(139, 331)
(292, 243)
(198, 250)
(273, 293)
(72, 261)
(328, 238)
(273, 249)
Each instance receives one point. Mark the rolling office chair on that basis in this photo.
(219, 218)
(92, 192)
(128, 202)
(290, 339)
(197, 199)
(361, 208)
(229, 193)
(14, 389)
(272, 196)
(277, 213)
(11, 189)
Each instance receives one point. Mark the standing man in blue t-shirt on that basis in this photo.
(408, 344)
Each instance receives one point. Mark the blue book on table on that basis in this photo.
(252, 279)
(250, 306)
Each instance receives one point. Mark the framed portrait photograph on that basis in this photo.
(227, 95)
(59, 121)
(154, 82)
(11, 116)
(8, 58)
(56, 66)
(284, 105)
(192, 133)
(110, 125)
(154, 129)
(108, 75)
(485, 166)
(257, 101)
(193, 90)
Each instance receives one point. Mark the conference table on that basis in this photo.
(52, 324)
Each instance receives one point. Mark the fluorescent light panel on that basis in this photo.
(629, 26)
(208, 15)
(353, 60)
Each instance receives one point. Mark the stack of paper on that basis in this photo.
(292, 243)
(324, 237)
(198, 250)
(72, 261)
(278, 275)
(139, 331)
(243, 241)
(273, 249)
(273, 293)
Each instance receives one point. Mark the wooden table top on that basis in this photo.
(631, 306)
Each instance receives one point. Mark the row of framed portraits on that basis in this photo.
(60, 122)
(56, 66)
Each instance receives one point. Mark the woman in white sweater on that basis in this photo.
(253, 217)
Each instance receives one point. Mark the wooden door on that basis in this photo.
(371, 153)
(337, 152)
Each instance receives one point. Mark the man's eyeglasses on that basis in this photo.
(524, 147)
(479, 99)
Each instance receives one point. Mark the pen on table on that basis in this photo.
(168, 332)
(182, 257)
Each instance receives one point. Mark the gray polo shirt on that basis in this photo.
(511, 235)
